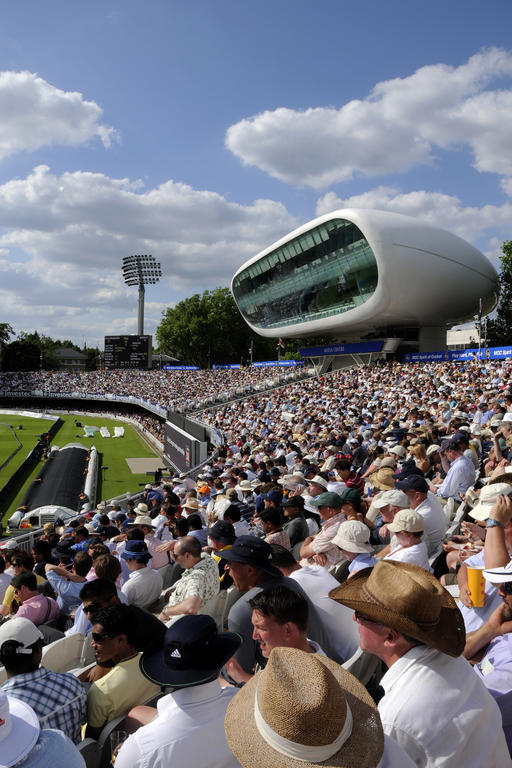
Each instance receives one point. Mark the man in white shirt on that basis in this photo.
(407, 528)
(187, 727)
(433, 706)
(317, 582)
(144, 584)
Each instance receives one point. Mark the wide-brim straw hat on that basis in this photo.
(407, 598)
(305, 699)
(382, 479)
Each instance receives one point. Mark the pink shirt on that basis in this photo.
(36, 609)
(159, 559)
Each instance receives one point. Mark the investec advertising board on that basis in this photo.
(181, 449)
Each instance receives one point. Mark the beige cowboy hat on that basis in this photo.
(383, 478)
(321, 716)
(407, 598)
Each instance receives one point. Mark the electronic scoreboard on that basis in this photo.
(128, 352)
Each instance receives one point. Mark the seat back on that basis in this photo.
(63, 654)
(91, 751)
(215, 608)
(232, 595)
(296, 550)
(117, 724)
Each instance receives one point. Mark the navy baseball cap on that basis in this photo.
(250, 550)
(412, 483)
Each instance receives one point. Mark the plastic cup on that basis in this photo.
(476, 586)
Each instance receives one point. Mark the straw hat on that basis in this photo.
(383, 478)
(321, 716)
(408, 599)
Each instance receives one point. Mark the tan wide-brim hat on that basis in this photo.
(382, 479)
(306, 699)
(407, 598)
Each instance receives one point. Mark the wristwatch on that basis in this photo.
(491, 523)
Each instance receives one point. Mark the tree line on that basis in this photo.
(32, 351)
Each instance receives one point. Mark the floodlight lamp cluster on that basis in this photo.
(141, 270)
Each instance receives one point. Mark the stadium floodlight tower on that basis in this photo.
(141, 270)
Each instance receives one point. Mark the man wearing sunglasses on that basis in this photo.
(114, 640)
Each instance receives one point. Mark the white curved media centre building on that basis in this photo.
(360, 273)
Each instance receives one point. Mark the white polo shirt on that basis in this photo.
(143, 587)
(440, 712)
(188, 731)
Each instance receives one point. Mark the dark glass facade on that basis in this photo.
(326, 271)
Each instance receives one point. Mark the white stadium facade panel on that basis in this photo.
(353, 271)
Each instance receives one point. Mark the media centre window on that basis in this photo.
(326, 271)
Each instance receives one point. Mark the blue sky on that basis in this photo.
(203, 131)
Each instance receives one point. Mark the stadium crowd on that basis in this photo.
(174, 390)
(325, 524)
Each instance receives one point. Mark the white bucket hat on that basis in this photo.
(318, 480)
(353, 536)
(19, 730)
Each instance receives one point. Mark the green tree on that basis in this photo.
(29, 352)
(207, 328)
(6, 332)
(499, 330)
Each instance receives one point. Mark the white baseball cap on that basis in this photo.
(407, 520)
(23, 631)
(395, 498)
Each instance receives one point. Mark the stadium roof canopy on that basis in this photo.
(355, 272)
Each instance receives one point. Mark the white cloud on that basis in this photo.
(398, 126)
(64, 237)
(36, 114)
(437, 208)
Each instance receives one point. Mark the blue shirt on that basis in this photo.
(53, 749)
(363, 560)
(459, 478)
(68, 592)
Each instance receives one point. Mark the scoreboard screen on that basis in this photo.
(128, 352)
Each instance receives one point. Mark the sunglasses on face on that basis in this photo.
(506, 588)
(100, 638)
(92, 608)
